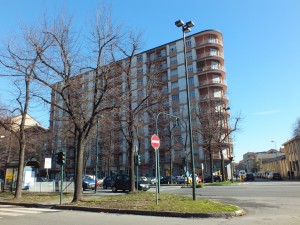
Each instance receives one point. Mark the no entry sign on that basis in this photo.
(155, 142)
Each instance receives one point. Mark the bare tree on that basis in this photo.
(20, 63)
(61, 56)
(142, 92)
(296, 127)
(214, 129)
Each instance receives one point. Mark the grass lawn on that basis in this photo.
(166, 202)
(135, 201)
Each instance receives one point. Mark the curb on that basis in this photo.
(240, 212)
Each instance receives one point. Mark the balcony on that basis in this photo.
(213, 83)
(213, 41)
(211, 67)
(209, 97)
(210, 54)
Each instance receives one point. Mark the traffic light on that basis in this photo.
(63, 158)
(139, 159)
(60, 158)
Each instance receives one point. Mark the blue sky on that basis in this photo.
(261, 47)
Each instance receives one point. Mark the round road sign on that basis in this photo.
(155, 142)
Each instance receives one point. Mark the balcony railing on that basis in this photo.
(209, 82)
(211, 67)
(210, 41)
(209, 54)
(212, 96)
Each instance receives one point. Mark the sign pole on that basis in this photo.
(156, 173)
(155, 142)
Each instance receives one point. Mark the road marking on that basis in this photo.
(10, 210)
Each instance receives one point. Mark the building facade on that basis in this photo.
(292, 150)
(209, 101)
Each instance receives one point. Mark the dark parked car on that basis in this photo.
(122, 182)
(249, 177)
(209, 180)
(88, 183)
(277, 176)
(165, 180)
(108, 182)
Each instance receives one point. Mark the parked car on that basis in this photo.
(249, 177)
(165, 180)
(88, 183)
(122, 182)
(108, 181)
(143, 178)
(209, 179)
(270, 176)
(277, 176)
(181, 179)
(153, 180)
(42, 179)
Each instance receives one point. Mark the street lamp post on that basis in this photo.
(186, 27)
(222, 156)
(274, 144)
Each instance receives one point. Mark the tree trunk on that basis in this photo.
(18, 193)
(211, 165)
(78, 181)
(132, 173)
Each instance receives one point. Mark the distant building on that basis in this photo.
(36, 143)
(292, 149)
(254, 160)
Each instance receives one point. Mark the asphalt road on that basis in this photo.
(265, 202)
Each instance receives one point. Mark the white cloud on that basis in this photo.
(265, 113)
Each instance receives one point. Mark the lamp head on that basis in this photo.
(190, 24)
(179, 23)
(186, 29)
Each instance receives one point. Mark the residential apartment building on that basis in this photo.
(208, 96)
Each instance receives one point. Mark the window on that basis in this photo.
(213, 51)
(175, 98)
(165, 90)
(163, 53)
(188, 42)
(189, 55)
(174, 72)
(192, 94)
(163, 65)
(190, 68)
(166, 103)
(212, 39)
(140, 70)
(172, 47)
(173, 60)
(164, 77)
(174, 85)
(140, 93)
(152, 56)
(139, 58)
(191, 81)
(140, 81)
(214, 65)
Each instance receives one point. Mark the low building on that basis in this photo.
(292, 149)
